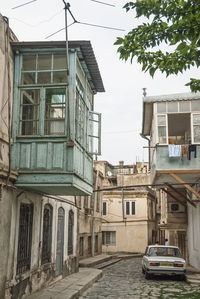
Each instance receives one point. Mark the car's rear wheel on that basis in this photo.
(147, 275)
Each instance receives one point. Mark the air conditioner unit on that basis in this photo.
(175, 207)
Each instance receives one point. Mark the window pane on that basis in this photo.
(195, 105)
(196, 119)
(55, 111)
(29, 63)
(133, 208)
(29, 116)
(172, 107)
(161, 120)
(197, 134)
(179, 131)
(59, 62)
(161, 107)
(162, 135)
(44, 62)
(28, 78)
(44, 78)
(104, 208)
(127, 208)
(59, 77)
(184, 106)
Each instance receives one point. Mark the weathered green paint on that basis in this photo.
(46, 163)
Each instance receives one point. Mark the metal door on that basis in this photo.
(60, 241)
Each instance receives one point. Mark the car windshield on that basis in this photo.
(164, 251)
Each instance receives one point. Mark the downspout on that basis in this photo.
(94, 212)
(143, 136)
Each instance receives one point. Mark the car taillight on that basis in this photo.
(178, 265)
(154, 264)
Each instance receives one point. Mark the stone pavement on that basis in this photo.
(125, 280)
(75, 285)
(69, 287)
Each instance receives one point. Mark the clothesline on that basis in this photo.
(175, 150)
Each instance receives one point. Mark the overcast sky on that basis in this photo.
(121, 104)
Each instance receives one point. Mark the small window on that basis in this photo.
(29, 112)
(172, 107)
(184, 106)
(130, 208)
(55, 111)
(161, 107)
(162, 132)
(195, 105)
(196, 128)
(105, 208)
(109, 238)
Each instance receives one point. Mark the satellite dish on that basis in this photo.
(109, 173)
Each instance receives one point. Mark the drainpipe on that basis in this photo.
(143, 136)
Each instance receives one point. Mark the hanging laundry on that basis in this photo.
(174, 150)
(184, 151)
(192, 148)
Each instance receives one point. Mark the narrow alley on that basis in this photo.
(125, 280)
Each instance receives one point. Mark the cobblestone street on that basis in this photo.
(125, 280)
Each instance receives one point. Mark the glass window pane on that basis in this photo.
(184, 106)
(127, 208)
(28, 78)
(196, 119)
(161, 107)
(44, 78)
(29, 117)
(59, 77)
(161, 120)
(196, 134)
(29, 63)
(133, 208)
(59, 62)
(195, 105)
(44, 62)
(172, 107)
(162, 135)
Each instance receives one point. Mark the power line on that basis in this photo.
(103, 3)
(24, 4)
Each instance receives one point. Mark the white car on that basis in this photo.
(160, 259)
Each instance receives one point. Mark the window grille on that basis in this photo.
(25, 238)
(81, 243)
(47, 234)
(70, 232)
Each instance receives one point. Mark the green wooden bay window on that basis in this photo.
(54, 127)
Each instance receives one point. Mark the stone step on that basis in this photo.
(108, 263)
(193, 281)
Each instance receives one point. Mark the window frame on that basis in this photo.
(192, 126)
(106, 207)
(130, 202)
(47, 258)
(111, 235)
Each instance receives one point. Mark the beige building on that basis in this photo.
(128, 214)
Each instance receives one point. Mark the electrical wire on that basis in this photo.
(100, 2)
(23, 4)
